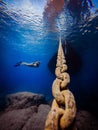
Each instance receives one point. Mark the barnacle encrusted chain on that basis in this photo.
(63, 110)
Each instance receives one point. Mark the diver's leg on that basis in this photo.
(18, 64)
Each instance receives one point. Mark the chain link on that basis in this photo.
(63, 110)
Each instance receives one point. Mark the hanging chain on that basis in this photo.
(63, 110)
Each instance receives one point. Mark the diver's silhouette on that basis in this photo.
(32, 64)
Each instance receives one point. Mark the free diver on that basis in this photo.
(32, 64)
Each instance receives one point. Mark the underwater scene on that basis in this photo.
(30, 31)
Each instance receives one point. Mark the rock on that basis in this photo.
(86, 121)
(31, 118)
(16, 119)
(37, 121)
(22, 113)
(23, 100)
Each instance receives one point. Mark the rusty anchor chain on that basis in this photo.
(63, 110)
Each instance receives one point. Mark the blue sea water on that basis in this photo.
(26, 36)
(23, 37)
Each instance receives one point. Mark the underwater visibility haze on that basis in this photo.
(29, 33)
